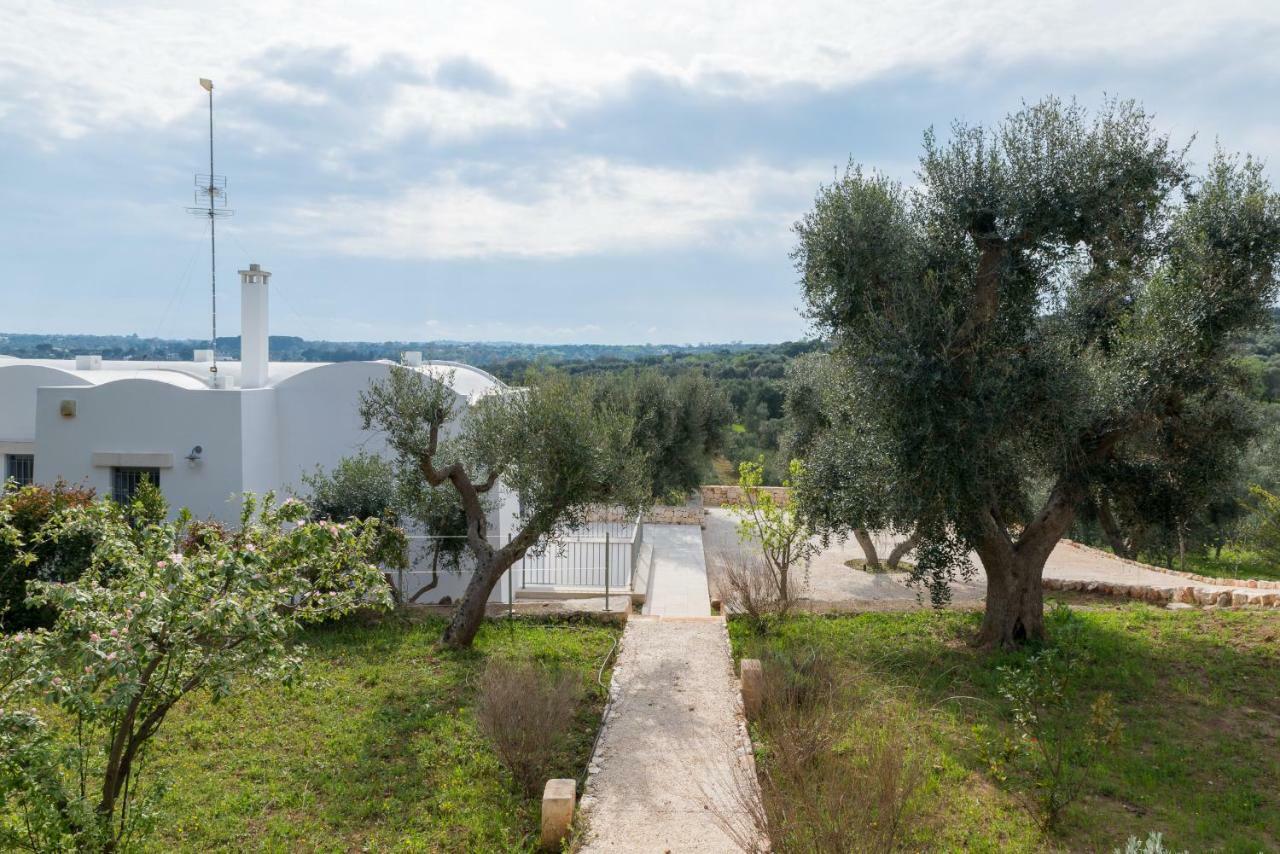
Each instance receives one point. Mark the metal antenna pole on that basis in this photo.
(213, 189)
(213, 245)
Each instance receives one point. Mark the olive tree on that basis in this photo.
(552, 444)
(680, 424)
(1021, 320)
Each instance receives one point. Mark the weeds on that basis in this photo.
(837, 772)
(526, 711)
(747, 587)
(1059, 732)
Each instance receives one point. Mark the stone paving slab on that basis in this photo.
(674, 748)
(830, 581)
(678, 577)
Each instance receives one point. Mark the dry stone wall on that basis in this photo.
(1185, 594)
(718, 495)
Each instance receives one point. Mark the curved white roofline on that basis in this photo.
(468, 379)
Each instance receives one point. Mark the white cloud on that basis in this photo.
(582, 206)
(86, 65)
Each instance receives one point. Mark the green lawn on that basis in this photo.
(1198, 694)
(377, 750)
(1231, 563)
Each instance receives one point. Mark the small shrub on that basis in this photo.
(1059, 731)
(837, 772)
(32, 558)
(747, 587)
(525, 711)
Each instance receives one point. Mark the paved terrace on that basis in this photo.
(830, 581)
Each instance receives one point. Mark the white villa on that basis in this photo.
(205, 438)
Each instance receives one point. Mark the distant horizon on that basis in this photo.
(4, 335)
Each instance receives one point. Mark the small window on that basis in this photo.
(20, 467)
(125, 482)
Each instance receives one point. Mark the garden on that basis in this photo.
(379, 746)
(889, 731)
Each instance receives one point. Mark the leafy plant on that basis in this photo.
(28, 509)
(146, 625)
(776, 527)
(1262, 531)
(1059, 732)
(1153, 844)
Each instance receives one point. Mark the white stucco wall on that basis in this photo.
(259, 426)
(318, 419)
(18, 386)
(140, 416)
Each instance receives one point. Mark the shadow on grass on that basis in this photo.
(1198, 692)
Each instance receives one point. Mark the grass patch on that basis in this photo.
(1198, 694)
(378, 749)
(1231, 563)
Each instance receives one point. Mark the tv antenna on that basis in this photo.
(211, 202)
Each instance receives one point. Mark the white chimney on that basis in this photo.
(254, 358)
(88, 363)
(412, 358)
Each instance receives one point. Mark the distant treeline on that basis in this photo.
(288, 348)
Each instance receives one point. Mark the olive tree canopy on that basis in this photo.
(554, 444)
(1010, 331)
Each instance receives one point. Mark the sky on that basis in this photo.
(595, 172)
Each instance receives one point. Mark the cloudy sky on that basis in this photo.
(531, 171)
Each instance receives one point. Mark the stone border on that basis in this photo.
(1258, 583)
(617, 676)
(718, 495)
(658, 514)
(1167, 595)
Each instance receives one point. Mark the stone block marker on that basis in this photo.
(752, 677)
(558, 800)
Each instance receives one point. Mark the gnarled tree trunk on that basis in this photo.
(868, 549)
(1015, 569)
(900, 551)
(1111, 528)
(470, 611)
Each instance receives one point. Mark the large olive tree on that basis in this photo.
(1019, 323)
(552, 443)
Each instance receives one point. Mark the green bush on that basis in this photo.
(29, 509)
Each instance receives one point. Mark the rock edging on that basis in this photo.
(1166, 595)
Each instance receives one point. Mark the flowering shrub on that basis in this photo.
(29, 509)
(156, 615)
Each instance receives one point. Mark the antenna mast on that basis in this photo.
(211, 201)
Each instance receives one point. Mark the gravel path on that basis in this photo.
(831, 582)
(674, 750)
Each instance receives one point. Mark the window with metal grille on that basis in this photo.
(20, 467)
(125, 482)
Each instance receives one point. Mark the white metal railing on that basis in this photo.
(599, 555)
